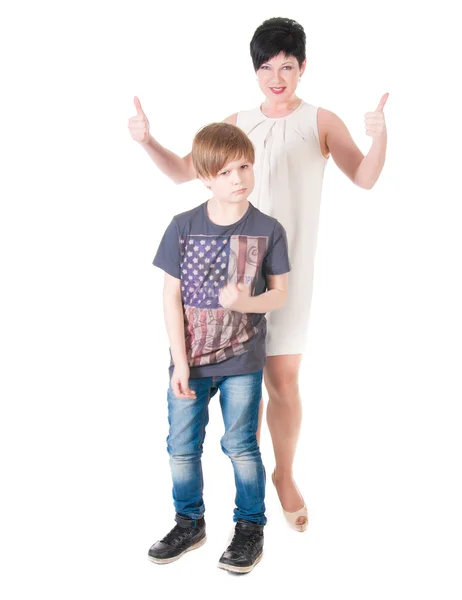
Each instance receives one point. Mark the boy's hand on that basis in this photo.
(180, 382)
(139, 125)
(235, 297)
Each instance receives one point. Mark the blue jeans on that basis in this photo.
(239, 398)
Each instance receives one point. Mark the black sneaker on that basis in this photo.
(245, 550)
(188, 534)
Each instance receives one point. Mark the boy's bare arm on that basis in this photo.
(174, 319)
(238, 298)
(178, 169)
(274, 298)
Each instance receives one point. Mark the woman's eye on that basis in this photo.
(288, 68)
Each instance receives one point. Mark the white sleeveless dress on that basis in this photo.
(289, 170)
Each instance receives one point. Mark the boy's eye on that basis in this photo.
(244, 166)
(224, 173)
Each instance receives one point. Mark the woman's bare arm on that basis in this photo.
(335, 139)
(178, 169)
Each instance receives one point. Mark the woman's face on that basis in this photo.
(278, 77)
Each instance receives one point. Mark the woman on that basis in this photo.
(293, 141)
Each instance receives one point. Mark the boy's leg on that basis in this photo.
(187, 419)
(240, 397)
(240, 400)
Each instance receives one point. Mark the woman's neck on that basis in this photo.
(280, 109)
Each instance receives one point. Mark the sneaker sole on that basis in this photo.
(164, 561)
(234, 569)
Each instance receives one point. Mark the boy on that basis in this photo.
(226, 264)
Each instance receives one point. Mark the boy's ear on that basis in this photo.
(206, 182)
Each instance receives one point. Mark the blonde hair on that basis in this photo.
(217, 144)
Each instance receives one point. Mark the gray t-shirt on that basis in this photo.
(206, 257)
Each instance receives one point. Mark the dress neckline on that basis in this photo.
(285, 117)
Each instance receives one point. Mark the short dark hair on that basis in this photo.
(277, 35)
(216, 145)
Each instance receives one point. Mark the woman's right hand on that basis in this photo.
(139, 125)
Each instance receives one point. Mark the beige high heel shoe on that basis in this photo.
(291, 517)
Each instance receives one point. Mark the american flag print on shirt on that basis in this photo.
(208, 263)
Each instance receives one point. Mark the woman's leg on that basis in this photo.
(284, 415)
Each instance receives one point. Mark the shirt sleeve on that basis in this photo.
(168, 256)
(277, 260)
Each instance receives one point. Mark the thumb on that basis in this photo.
(139, 110)
(382, 102)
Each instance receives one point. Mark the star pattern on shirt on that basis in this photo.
(204, 263)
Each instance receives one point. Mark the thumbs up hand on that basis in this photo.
(235, 297)
(139, 125)
(375, 121)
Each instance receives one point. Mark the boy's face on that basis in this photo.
(234, 182)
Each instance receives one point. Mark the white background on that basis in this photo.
(85, 477)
